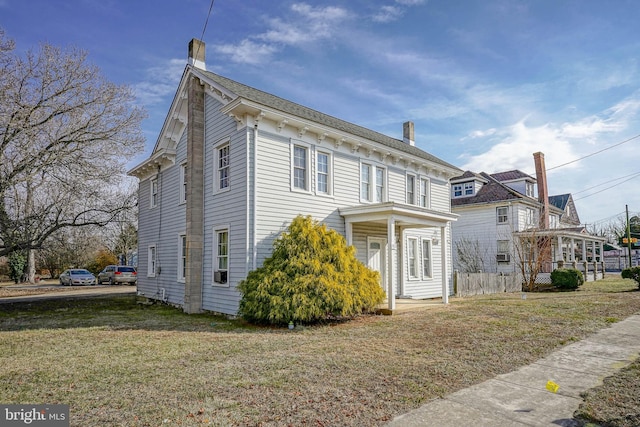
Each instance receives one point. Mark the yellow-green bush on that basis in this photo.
(311, 275)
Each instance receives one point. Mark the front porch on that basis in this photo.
(407, 268)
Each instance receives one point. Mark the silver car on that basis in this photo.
(118, 274)
(77, 276)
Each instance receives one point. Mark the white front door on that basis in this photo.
(377, 258)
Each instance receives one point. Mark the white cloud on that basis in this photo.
(160, 82)
(309, 24)
(515, 151)
(388, 14)
(247, 52)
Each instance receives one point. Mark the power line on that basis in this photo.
(206, 22)
(607, 188)
(597, 152)
(606, 182)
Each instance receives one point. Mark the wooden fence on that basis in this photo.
(468, 284)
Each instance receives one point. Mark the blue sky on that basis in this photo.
(487, 83)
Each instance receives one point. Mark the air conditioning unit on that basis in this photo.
(503, 258)
(220, 276)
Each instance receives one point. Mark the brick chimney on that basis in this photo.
(197, 54)
(195, 187)
(543, 190)
(408, 133)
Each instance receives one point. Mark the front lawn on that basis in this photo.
(118, 363)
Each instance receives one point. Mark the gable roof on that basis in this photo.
(235, 95)
(273, 101)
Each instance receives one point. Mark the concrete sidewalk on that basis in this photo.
(520, 398)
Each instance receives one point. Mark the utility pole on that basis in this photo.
(628, 235)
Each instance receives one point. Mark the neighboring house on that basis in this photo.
(233, 166)
(495, 209)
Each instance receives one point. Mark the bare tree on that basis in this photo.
(533, 250)
(65, 136)
(470, 255)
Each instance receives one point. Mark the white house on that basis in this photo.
(233, 166)
(495, 209)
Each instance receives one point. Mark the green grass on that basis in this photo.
(118, 363)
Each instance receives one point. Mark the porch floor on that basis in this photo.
(403, 305)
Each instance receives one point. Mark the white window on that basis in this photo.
(529, 216)
(300, 168)
(222, 167)
(553, 221)
(503, 252)
(426, 258)
(529, 189)
(182, 257)
(151, 261)
(468, 188)
(457, 190)
(411, 189)
(221, 256)
(365, 182)
(323, 170)
(503, 246)
(502, 214)
(380, 184)
(183, 183)
(424, 192)
(153, 200)
(412, 257)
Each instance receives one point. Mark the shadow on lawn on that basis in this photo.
(114, 313)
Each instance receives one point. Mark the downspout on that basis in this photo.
(255, 195)
(248, 208)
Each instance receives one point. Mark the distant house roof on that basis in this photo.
(560, 201)
(269, 100)
(511, 176)
(492, 191)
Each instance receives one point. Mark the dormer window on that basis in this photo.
(529, 189)
(457, 190)
(463, 190)
(468, 188)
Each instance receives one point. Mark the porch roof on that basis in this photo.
(402, 214)
(564, 233)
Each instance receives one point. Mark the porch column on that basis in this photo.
(572, 255)
(584, 250)
(443, 256)
(348, 228)
(560, 254)
(391, 238)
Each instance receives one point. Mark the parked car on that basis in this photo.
(118, 274)
(77, 276)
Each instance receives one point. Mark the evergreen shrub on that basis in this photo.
(632, 273)
(567, 278)
(311, 275)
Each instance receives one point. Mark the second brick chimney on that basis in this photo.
(543, 190)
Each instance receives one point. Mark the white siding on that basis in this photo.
(161, 227)
(224, 209)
